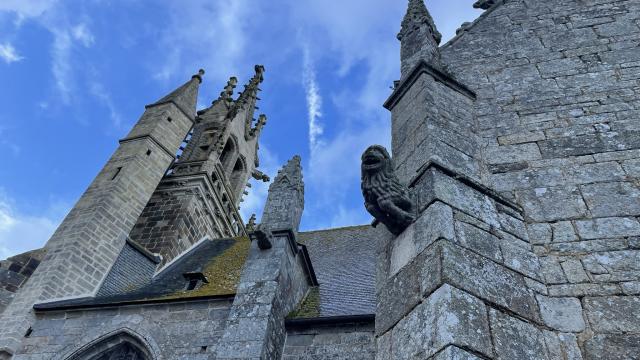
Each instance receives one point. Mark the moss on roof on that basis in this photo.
(222, 271)
(309, 307)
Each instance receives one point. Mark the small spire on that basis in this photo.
(290, 175)
(285, 202)
(185, 97)
(419, 37)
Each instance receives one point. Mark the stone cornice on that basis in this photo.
(424, 68)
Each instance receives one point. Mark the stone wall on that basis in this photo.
(340, 342)
(188, 330)
(558, 110)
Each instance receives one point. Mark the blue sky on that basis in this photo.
(75, 76)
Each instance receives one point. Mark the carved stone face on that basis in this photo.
(373, 159)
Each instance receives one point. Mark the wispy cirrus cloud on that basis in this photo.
(314, 101)
(21, 232)
(9, 54)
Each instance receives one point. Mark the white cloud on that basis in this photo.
(314, 101)
(82, 33)
(204, 34)
(98, 90)
(9, 54)
(27, 8)
(20, 232)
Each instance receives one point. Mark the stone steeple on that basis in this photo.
(185, 97)
(94, 232)
(419, 38)
(201, 193)
(285, 201)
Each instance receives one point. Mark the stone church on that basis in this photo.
(507, 224)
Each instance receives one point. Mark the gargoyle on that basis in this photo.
(384, 196)
(263, 237)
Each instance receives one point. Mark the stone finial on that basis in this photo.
(227, 93)
(385, 198)
(419, 37)
(251, 224)
(199, 75)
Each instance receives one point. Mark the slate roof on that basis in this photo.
(344, 263)
(220, 260)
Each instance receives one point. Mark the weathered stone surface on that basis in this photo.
(612, 347)
(550, 204)
(612, 199)
(436, 185)
(574, 271)
(608, 228)
(352, 341)
(516, 339)
(513, 153)
(562, 231)
(454, 353)
(436, 222)
(563, 314)
(562, 346)
(478, 240)
(447, 316)
(540, 233)
(488, 280)
(613, 314)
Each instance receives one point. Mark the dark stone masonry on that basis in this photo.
(516, 167)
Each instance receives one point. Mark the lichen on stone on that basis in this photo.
(309, 307)
(222, 271)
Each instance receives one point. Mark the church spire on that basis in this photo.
(185, 97)
(419, 38)
(285, 202)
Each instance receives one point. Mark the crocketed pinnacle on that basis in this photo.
(417, 15)
(186, 96)
(290, 176)
(419, 38)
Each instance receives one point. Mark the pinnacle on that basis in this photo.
(418, 14)
(290, 173)
(186, 96)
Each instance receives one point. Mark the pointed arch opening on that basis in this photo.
(229, 153)
(237, 176)
(120, 346)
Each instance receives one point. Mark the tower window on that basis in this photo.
(115, 175)
(169, 119)
(148, 152)
(194, 280)
(29, 332)
(193, 284)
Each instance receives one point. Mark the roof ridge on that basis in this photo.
(336, 228)
(474, 23)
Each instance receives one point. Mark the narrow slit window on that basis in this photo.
(169, 119)
(115, 175)
(193, 284)
(148, 152)
(29, 332)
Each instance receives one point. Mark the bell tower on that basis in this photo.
(200, 194)
(84, 247)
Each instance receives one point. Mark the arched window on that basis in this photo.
(121, 346)
(237, 175)
(228, 153)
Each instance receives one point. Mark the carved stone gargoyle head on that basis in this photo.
(384, 196)
(263, 237)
